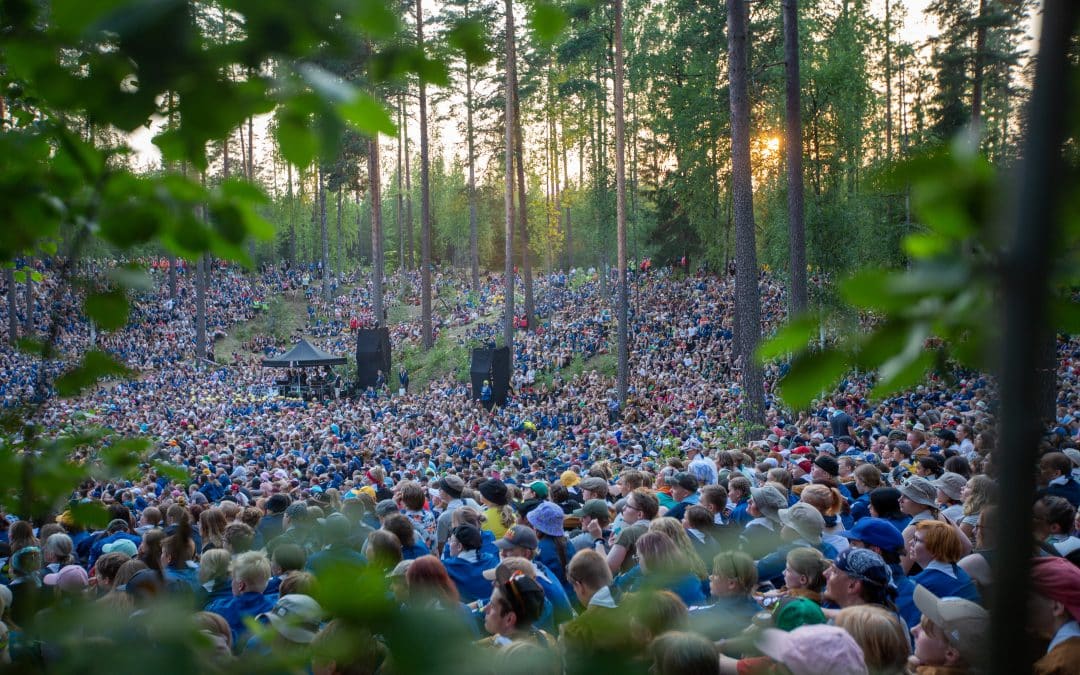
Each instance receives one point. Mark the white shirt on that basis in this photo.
(1068, 631)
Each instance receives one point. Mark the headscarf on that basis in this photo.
(1057, 579)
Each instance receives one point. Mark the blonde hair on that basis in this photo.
(810, 563)
(253, 568)
(884, 641)
(982, 492)
(674, 530)
(214, 565)
(825, 499)
(738, 566)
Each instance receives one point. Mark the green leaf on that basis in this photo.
(367, 115)
(811, 373)
(375, 17)
(90, 515)
(95, 365)
(469, 37)
(298, 142)
(902, 372)
(132, 277)
(171, 471)
(108, 309)
(789, 339)
(547, 21)
(124, 454)
(327, 85)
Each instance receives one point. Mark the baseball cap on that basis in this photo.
(386, 507)
(793, 612)
(69, 578)
(686, 481)
(121, 546)
(519, 536)
(876, 532)
(814, 650)
(507, 567)
(296, 617)
(594, 508)
(594, 484)
(539, 487)
(452, 485)
(965, 625)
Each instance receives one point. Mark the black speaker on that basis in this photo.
(372, 355)
(492, 365)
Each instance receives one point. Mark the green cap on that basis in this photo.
(594, 508)
(539, 487)
(795, 612)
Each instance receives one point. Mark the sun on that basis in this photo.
(772, 144)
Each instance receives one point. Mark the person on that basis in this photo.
(450, 488)
(1055, 519)
(937, 548)
(1054, 614)
(918, 499)
(731, 584)
(762, 534)
(405, 530)
(885, 504)
(640, 508)
(684, 490)
(979, 493)
(520, 541)
(486, 395)
(341, 650)
(467, 562)
(814, 650)
(296, 619)
(599, 632)
(676, 653)
(857, 577)
(880, 634)
(952, 636)
(1055, 477)
(214, 577)
(867, 479)
(338, 551)
(662, 565)
(555, 550)
(250, 574)
(403, 380)
(595, 519)
(515, 606)
(803, 525)
(498, 514)
(804, 575)
(879, 536)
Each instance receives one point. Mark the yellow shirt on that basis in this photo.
(494, 523)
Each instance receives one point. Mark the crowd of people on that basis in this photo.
(560, 532)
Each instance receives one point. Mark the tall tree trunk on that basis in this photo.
(747, 297)
(28, 297)
(474, 248)
(339, 262)
(888, 81)
(1034, 224)
(200, 306)
(410, 239)
(325, 257)
(12, 308)
(400, 195)
(427, 338)
(375, 195)
(566, 186)
(980, 59)
(796, 226)
(622, 307)
(292, 218)
(523, 218)
(172, 277)
(508, 197)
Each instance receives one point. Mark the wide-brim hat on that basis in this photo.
(804, 519)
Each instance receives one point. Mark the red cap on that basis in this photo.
(802, 450)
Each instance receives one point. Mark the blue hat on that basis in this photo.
(876, 532)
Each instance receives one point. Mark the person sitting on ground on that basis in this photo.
(515, 606)
(951, 637)
(250, 574)
(731, 584)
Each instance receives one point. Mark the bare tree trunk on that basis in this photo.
(427, 338)
(172, 277)
(566, 186)
(888, 81)
(292, 218)
(12, 308)
(523, 218)
(622, 310)
(375, 195)
(408, 197)
(474, 250)
(200, 306)
(747, 297)
(1034, 223)
(339, 261)
(977, 79)
(796, 224)
(325, 258)
(508, 160)
(28, 297)
(400, 195)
